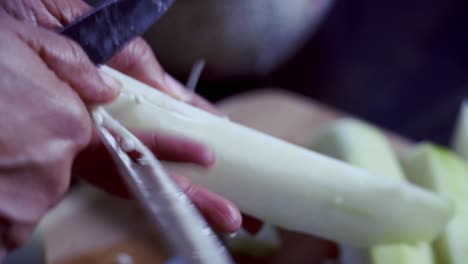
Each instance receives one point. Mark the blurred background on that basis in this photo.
(400, 64)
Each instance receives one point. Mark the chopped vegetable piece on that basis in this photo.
(441, 170)
(460, 140)
(363, 145)
(283, 184)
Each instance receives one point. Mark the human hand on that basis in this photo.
(45, 82)
(137, 60)
(37, 55)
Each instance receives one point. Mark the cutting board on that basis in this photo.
(89, 226)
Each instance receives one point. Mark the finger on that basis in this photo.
(190, 97)
(202, 103)
(69, 62)
(175, 148)
(138, 60)
(167, 147)
(220, 213)
(37, 13)
(95, 165)
(51, 14)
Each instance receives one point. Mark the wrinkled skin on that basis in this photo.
(46, 84)
(44, 124)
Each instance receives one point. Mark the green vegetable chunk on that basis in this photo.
(365, 146)
(460, 139)
(440, 170)
(283, 184)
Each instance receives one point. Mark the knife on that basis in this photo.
(101, 33)
(113, 23)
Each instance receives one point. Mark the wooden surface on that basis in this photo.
(92, 227)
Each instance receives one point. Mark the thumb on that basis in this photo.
(70, 63)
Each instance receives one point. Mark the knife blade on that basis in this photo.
(111, 25)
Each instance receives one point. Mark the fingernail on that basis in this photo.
(233, 218)
(175, 89)
(208, 158)
(111, 82)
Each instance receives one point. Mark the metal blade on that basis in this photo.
(111, 25)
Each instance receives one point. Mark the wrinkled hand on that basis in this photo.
(44, 121)
(46, 82)
(136, 60)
